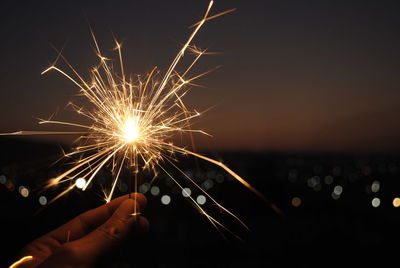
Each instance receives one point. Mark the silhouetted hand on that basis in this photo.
(86, 239)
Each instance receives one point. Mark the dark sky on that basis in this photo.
(296, 75)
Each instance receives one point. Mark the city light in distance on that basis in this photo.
(396, 202)
(80, 183)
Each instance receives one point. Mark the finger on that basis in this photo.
(95, 217)
(88, 221)
(125, 221)
(44, 246)
(122, 224)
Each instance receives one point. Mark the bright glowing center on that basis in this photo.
(131, 130)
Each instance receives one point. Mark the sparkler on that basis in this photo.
(134, 122)
(20, 261)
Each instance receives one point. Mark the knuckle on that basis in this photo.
(111, 231)
(108, 233)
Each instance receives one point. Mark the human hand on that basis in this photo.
(84, 240)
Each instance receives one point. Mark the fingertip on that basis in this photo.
(127, 208)
(140, 198)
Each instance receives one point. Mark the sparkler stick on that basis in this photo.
(134, 123)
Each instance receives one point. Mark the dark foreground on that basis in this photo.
(330, 218)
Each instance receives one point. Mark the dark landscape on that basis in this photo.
(324, 229)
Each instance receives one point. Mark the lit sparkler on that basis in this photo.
(134, 123)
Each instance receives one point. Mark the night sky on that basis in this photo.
(295, 76)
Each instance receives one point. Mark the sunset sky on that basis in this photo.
(296, 75)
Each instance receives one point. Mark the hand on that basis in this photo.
(83, 241)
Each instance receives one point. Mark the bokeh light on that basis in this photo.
(165, 199)
(376, 202)
(186, 192)
(155, 190)
(42, 200)
(338, 190)
(144, 188)
(335, 196)
(80, 183)
(23, 191)
(201, 200)
(207, 184)
(396, 202)
(375, 186)
(296, 201)
(328, 180)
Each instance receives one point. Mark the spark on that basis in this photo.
(20, 261)
(134, 122)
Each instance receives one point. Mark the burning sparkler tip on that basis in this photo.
(133, 123)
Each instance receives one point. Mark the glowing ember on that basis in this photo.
(131, 130)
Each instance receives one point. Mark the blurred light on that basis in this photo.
(328, 180)
(376, 202)
(3, 179)
(23, 191)
(42, 200)
(296, 201)
(317, 187)
(155, 190)
(80, 183)
(396, 202)
(201, 199)
(144, 188)
(165, 199)
(186, 192)
(207, 184)
(375, 186)
(335, 196)
(313, 181)
(338, 190)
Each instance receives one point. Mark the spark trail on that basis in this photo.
(134, 122)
